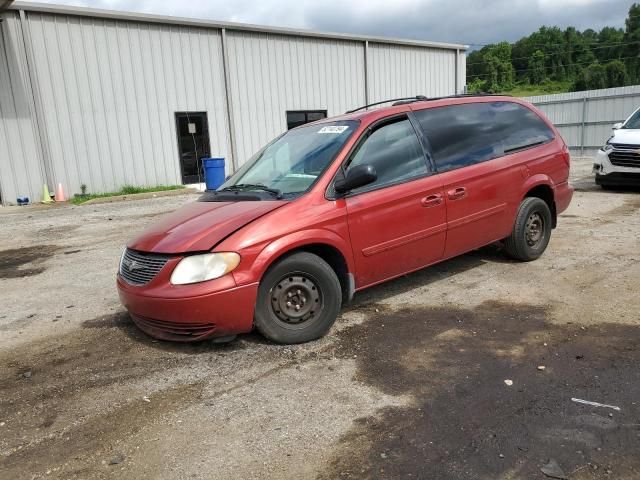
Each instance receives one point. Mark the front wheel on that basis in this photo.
(531, 231)
(298, 299)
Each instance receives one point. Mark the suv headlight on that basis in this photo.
(200, 268)
(606, 148)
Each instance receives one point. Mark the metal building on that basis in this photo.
(106, 98)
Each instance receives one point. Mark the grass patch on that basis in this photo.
(547, 88)
(125, 190)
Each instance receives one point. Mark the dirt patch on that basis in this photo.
(57, 231)
(71, 402)
(120, 320)
(466, 422)
(45, 408)
(147, 215)
(98, 437)
(631, 205)
(13, 261)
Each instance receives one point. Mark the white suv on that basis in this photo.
(618, 161)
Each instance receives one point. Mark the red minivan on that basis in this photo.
(333, 207)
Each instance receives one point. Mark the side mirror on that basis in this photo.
(358, 176)
(617, 126)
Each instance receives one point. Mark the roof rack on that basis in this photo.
(466, 95)
(417, 98)
(422, 98)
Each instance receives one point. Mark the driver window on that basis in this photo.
(394, 151)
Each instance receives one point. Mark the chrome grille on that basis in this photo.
(625, 146)
(625, 155)
(137, 268)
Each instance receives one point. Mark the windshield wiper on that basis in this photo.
(250, 186)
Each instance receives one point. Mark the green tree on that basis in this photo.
(591, 78)
(499, 68)
(609, 44)
(561, 58)
(536, 68)
(616, 74)
(632, 38)
(475, 66)
(476, 86)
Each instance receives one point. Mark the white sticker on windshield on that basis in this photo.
(333, 129)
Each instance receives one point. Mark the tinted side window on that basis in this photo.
(462, 135)
(394, 151)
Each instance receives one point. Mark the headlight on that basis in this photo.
(606, 148)
(200, 268)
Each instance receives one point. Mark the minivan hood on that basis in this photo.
(624, 135)
(199, 226)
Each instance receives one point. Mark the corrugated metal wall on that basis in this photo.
(402, 71)
(21, 167)
(94, 98)
(271, 74)
(110, 91)
(584, 119)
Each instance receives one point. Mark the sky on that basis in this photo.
(456, 21)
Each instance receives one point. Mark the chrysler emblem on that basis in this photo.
(132, 265)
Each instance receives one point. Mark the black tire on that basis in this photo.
(311, 309)
(531, 231)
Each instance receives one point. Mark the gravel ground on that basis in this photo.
(409, 383)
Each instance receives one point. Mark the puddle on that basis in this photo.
(465, 422)
(26, 261)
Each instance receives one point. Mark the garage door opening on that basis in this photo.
(193, 144)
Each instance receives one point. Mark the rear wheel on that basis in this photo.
(298, 299)
(531, 231)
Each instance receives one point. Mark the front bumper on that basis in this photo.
(608, 174)
(621, 179)
(190, 318)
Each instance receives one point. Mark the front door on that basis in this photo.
(398, 223)
(193, 144)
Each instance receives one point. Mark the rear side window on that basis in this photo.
(461, 135)
(394, 151)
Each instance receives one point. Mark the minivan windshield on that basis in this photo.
(290, 164)
(633, 122)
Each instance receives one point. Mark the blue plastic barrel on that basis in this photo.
(213, 172)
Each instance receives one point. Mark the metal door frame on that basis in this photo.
(183, 113)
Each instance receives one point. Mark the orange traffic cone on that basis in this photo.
(59, 194)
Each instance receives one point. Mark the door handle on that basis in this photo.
(431, 200)
(457, 193)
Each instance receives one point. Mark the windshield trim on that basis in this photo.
(288, 196)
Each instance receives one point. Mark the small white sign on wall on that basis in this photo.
(192, 127)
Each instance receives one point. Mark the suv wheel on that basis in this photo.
(531, 231)
(298, 299)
